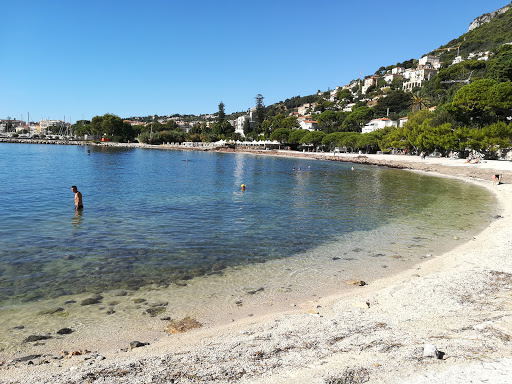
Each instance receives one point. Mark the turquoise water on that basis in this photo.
(152, 218)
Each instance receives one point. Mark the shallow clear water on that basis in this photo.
(152, 218)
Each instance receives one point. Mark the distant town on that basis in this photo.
(410, 78)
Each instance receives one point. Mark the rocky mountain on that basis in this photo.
(487, 17)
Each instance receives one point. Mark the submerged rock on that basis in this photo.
(253, 291)
(32, 338)
(50, 311)
(155, 311)
(92, 300)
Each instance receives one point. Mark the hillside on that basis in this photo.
(487, 37)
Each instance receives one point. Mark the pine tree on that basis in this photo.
(260, 109)
(222, 114)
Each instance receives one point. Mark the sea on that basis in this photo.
(167, 234)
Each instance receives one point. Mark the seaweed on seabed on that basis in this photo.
(350, 376)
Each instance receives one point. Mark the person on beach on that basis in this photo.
(78, 198)
(496, 179)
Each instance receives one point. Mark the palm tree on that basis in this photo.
(419, 102)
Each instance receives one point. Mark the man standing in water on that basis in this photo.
(78, 198)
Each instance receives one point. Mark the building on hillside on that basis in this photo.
(397, 70)
(302, 110)
(402, 121)
(368, 82)
(457, 60)
(416, 77)
(392, 76)
(350, 86)
(434, 61)
(308, 123)
(479, 55)
(240, 123)
(375, 124)
(348, 107)
(135, 122)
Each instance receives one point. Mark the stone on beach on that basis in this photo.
(183, 325)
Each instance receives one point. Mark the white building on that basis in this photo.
(348, 107)
(457, 60)
(304, 108)
(392, 76)
(434, 61)
(416, 77)
(307, 123)
(368, 82)
(375, 124)
(240, 124)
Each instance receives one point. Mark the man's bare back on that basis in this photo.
(78, 198)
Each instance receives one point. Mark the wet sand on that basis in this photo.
(460, 302)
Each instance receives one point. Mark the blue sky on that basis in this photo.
(79, 59)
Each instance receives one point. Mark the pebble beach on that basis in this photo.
(447, 319)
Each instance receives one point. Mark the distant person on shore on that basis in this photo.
(496, 179)
(78, 198)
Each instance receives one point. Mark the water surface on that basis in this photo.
(156, 217)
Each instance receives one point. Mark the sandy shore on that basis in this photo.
(460, 302)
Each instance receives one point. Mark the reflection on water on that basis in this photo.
(77, 219)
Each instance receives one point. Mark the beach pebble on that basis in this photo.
(355, 282)
(430, 350)
(137, 344)
(65, 331)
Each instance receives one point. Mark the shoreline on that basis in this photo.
(454, 301)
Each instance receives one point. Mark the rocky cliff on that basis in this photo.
(485, 18)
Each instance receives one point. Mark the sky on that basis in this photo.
(74, 60)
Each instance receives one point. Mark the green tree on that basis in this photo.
(357, 118)
(281, 134)
(170, 125)
(330, 121)
(420, 102)
(221, 116)
(344, 94)
(112, 126)
(296, 135)
(260, 110)
(500, 66)
(314, 138)
(396, 101)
